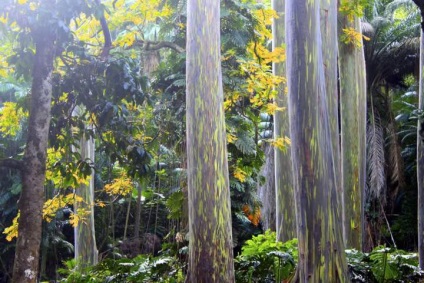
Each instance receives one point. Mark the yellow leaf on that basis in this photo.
(239, 174)
(12, 231)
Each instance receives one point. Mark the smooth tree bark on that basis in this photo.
(420, 159)
(210, 245)
(328, 22)
(284, 190)
(353, 109)
(266, 191)
(86, 253)
(420, 143)
(26, 265)
(321, 249)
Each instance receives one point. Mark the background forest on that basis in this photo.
(114, 201)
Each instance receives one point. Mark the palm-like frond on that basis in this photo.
(376, 159)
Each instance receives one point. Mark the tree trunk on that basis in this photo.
(210, 246)
(26, 265)
(353, 105)
(137, 223)
(86, 253)
(285, 205)
(321, 253)
(266, 191)
(328, 21)
(420, 159)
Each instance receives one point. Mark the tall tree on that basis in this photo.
(86, 252)
(353, 106)
(321, 256)
(285, 207)
(210, 248)
(328, 22)
(31, 202)
(420, 143)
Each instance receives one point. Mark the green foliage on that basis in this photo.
(139, 269)
(263, 259)
(175, 203)
(384, 265)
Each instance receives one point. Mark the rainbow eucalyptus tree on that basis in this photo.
(420, 143)
(353, 109)
(321, 249)
(285, 207)
(210, 248)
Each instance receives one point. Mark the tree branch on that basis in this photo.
(11, 163)
(106, 33)
(156, 45)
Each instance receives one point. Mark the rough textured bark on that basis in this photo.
(420, 159)
(285, 205)
(26, 265)
(86, 252)
(266, 191)
(210, 248)
(353, 109)
(321, 253)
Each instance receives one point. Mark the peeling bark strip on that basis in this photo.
(210, 248)
(285, 206)
(321, 253)
(353, 109)
(26, 267)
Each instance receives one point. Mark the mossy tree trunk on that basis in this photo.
(26, 265)
(210, 247)
(353, 109)
(321, 249)
(285, 206)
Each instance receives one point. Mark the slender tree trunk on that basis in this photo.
(420, 159)
(321, 253)
(266, 191)
(284, 190)
(86, 252)
(138, 209)
(26, 265)
(210, 248)
(420, 144)
(353, 109)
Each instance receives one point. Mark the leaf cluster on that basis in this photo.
(263, 259)
(383, 264)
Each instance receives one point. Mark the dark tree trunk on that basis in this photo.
(26, 266)
(210, 246)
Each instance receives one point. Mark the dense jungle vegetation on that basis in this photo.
(211, 141)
